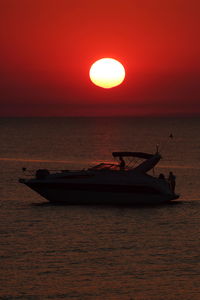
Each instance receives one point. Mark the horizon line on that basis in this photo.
(106, 116)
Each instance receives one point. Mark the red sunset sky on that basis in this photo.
(47, 48)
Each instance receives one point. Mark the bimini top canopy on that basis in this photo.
(133, 154)
(150, 159)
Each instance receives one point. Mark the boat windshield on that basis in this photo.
(105, 167)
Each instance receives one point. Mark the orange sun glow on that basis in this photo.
(107, 73)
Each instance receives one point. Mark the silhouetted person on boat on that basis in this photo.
(122, 163)
(161, 176)
(172, 181)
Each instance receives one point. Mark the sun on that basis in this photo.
(107, 73)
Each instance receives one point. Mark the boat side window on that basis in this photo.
(105, 167)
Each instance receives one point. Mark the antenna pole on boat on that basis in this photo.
(157, 148)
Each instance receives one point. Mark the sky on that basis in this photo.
(48, 47)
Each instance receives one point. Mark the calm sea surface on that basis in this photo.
(95, 252)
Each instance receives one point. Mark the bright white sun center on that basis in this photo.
(107, 73)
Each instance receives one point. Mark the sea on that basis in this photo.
(50, 251)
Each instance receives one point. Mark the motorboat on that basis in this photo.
(124, 183)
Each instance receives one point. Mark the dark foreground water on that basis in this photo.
(96, 252)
